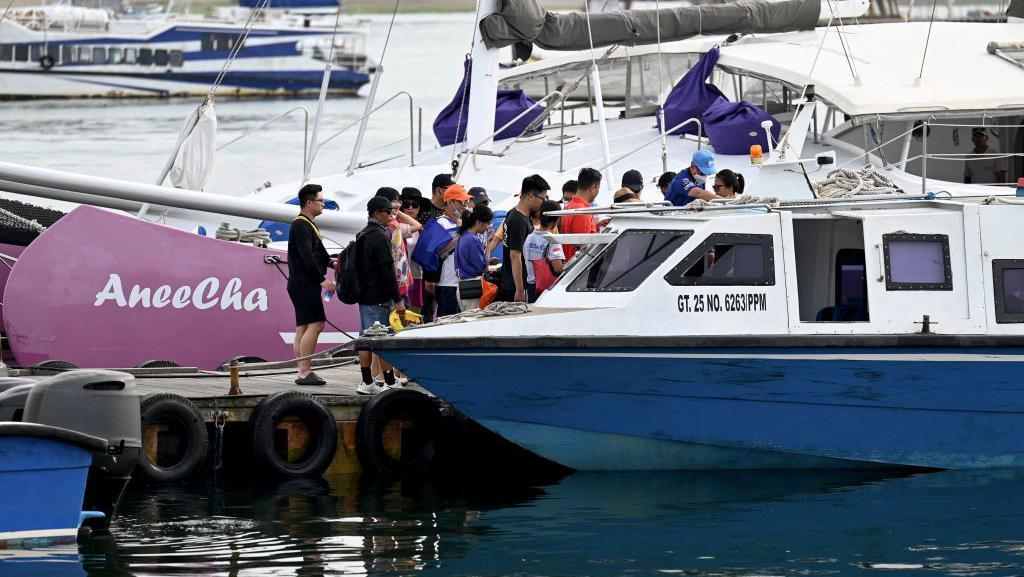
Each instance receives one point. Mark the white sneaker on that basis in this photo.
(398, 384)
(401, 381)
(369, 389)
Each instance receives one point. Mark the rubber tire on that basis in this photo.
(323, 431)
(157, 364)
(54, 364)
(161, 406)
(46, 62)
(241, 359)
(382, 409)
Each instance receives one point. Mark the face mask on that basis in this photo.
(700, 178)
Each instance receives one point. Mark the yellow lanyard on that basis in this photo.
(315, 228)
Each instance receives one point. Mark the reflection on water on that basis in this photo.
(953, 523)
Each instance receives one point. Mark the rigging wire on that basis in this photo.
(465, 91)
(6, 10)
(254, 16)
(927, 41)
(842, 42)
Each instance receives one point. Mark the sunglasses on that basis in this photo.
(715, 187)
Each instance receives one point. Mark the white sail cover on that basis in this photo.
(194, 162)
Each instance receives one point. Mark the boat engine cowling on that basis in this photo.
(103, 404)
(13, 395)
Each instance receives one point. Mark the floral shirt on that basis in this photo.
(400, 252)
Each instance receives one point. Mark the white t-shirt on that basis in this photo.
(448, 276)
(533, 249)
(983, 170)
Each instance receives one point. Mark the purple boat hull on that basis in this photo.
(102, 289)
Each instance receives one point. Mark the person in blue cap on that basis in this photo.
(688, 185)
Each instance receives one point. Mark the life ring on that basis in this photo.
(174, 438)
(291, 410)
(46, 61)
(417, 419)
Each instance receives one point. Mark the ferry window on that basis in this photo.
(1008, 277)
(629, 260)
(99, 55)
(21, 52)
(206, 42)
(177, 58)
(84, 54)
(727, 259)
(114, 56)
(67, 54)
(160, 57)
(145, 56)
(917, 262)
(6, 52)
(37, 52)
(129, 56)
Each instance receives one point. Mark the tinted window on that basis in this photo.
(37, 52)
(1008, 277)
(727, 259)
(67, 54)
(21, 53)
(177, 58)
(84, 54)
(851, 278)
(145, 56)
(629, 260)
(6, 52)
(917, 262)
(114, 56)
(160, 58)
(99, 55)
(129, 56)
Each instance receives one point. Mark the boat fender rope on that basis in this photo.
(845, 182)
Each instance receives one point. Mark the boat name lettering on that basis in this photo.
(207, 294)
(715, 303)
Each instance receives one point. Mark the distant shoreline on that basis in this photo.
(367, 6)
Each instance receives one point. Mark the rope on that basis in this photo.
(254, 15)
(499, 309)
(700, 204)
(927, 41)
(465, 88)
(258, 237)
(6, 10)
(843, 183)
(9, 218)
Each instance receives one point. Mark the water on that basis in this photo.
(132, 139)
(952, 523)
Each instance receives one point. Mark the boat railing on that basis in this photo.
(924, 127)
(659, 137)
(248, 133)
(473, 150)
(358, 121)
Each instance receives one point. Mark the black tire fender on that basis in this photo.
(46, 61)
(415, 409)
(157, 364)
(323, 434)
(186, 420)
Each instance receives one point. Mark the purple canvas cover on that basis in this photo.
(510, 104)
(692, 95)
(733, 127)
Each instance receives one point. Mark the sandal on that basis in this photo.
(311, 380)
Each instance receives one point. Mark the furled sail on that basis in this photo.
(527, 22)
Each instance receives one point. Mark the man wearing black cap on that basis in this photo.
(987, 167)
(307, 262)
(378, 286)
(633, 180)
(478, 197)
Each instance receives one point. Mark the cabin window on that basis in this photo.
(145, 56)
(37, 52)
(114, 56)
(6, 52)
(629, 260)
(160, 57)
(177, 58)
(1008, 280)
(129, 56)
(85, 54)
(67, 54)
(727, 259)
(917, 262)
(21, 52)
(99, 55)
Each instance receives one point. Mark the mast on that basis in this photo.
(483, 88)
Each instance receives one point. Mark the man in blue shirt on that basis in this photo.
(689, 183)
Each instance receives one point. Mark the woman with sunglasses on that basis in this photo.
(412, 202)
(728, 183)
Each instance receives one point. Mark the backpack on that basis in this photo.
(347, 275)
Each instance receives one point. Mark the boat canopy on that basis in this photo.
(880, 78)
(526, 21)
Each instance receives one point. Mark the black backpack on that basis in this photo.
(347, 275)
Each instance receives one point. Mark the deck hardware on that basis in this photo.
(234, 390)
(926, 324)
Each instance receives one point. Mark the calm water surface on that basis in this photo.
(955, 523)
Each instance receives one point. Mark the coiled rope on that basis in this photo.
(258, 237)
(700, 204)
(499, 309)
(844, 182)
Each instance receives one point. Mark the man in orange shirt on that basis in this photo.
(587, 185)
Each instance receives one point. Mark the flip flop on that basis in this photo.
(311, 380)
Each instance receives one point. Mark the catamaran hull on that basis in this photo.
(103, 289)
(812, 407)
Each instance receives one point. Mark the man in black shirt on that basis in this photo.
(517, 226)
(378, 286)
(307, 262)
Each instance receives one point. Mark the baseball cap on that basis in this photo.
(377, 204)
(388, 193)
(705, 161)
(443, 180)
(410, 192)
(479, 195)
(456, 192)
(633, 180)
(979, 130)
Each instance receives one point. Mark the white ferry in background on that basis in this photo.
(73, 52)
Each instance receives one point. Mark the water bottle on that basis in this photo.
(327, 296)
(1020, 187)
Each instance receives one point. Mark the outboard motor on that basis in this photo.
(13, 394)
(103, 404)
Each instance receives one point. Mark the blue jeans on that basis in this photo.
(369, 314)
(447, 300)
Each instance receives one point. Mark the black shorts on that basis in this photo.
(308, 303)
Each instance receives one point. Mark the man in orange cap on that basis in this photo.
(446, 293)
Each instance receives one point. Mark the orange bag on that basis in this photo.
(490, 291)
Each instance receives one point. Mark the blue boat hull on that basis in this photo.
(738, 408)
(42, 483)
